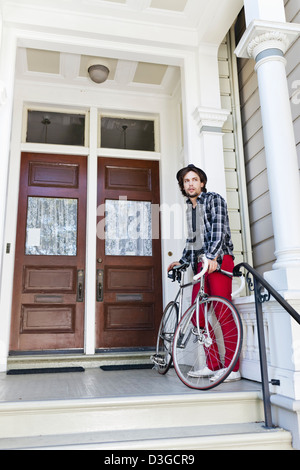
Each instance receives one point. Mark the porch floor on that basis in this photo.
(96, 383)
(131, 410)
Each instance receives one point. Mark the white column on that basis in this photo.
(270, 10)
(210, 122)
(8, 45)
(90, 273)
(7, 69)
(267, 42)
(210, 119)
(281, 155)
(190, 98)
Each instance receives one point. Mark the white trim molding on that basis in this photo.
(211, 119)
(263, 35)
(210, 122)
(3, 94)
(270, 40)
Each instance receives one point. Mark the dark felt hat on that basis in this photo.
(192, 167)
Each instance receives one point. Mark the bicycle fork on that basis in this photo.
(201, 337)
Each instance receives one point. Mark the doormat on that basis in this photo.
(46, 370)
(127, 367)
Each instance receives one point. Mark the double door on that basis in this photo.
(48, 312)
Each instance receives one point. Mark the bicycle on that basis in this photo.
(189, 339)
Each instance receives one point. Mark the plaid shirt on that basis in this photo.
(212, 236)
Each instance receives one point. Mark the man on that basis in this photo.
(208, 233)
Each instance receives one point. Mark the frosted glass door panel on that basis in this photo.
(51, 227)
(128, 228)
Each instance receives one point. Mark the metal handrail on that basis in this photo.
(258, 285)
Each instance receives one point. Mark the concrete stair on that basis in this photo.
(212, 420)
(37, 361)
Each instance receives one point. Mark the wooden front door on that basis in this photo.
(129, 283)
(48, 301)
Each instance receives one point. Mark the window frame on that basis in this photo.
(48, 109)
(132, 116)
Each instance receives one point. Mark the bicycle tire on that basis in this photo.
(191, 352)
(163, 359)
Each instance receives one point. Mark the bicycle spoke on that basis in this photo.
(163, 358)
(209, 351)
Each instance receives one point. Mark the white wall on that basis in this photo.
(180, 139)
(292, 9)
(167, 110)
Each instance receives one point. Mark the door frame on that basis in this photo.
(91, 152)
(91, 238)
(36, 95)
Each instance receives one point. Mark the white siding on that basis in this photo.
(292, 8)
(230, 154)
(255, 163)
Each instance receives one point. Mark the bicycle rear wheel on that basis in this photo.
(168, 325)
(203, 359)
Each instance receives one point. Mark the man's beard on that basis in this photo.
(194, 194)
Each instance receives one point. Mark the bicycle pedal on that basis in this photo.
(157, 360)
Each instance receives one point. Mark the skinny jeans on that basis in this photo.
(218, 284)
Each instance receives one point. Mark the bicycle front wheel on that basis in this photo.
(204, 358)
(168, 325)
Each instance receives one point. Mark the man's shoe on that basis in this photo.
(217, 375)
(232, 377)
(205, 372)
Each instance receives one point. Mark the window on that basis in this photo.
(45, 127)
(51, 226)
(131, 134)
(128, 228)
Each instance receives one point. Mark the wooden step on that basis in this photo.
(242, 436)
(37, 361)
(52, 417)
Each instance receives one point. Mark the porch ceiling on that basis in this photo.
(163, 23)
(200, 15)
(43, 66)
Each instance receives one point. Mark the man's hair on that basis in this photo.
(196, 170)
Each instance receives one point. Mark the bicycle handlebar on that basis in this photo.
(181, 267)
(242, 285)
(242, 282)
(203, 270)
(175, 274)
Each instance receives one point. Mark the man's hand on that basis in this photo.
(172, 265)
(212, 266)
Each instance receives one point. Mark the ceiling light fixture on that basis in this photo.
(98, 73)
